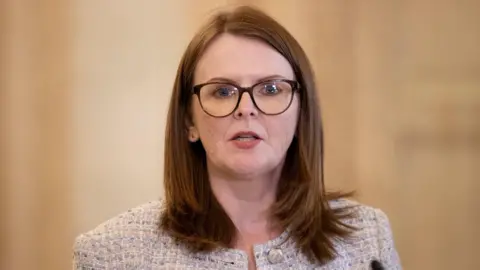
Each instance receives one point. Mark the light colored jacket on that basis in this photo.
(133, 240)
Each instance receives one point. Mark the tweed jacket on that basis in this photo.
(133, 240)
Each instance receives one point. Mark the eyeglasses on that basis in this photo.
(272, 97)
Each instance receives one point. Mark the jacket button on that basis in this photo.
(275, 255)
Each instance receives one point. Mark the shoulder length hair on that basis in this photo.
(192, 215)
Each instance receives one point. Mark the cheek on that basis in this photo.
(201, 121)
(212, 135)
(282, 129)
(211, 130)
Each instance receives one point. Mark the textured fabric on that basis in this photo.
(133, 240)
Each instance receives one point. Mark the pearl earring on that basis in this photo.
(193, 135)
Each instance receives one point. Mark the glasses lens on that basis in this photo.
(273, 97)
(218, 99)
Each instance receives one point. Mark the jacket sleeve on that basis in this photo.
(388, 255)
(86, 254)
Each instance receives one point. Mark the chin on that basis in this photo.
(250, 165)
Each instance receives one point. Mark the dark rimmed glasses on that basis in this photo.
(220, 99)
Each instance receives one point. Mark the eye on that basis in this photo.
(270, 89)
(224, 91)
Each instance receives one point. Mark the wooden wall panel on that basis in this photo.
(18, 185)
(3, 155)
(53, 76)
(418, 133)
(35, 130)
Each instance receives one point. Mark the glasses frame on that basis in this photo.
(294, 84)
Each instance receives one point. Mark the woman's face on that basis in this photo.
(246, 142)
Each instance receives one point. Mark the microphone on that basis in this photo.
(376, 265)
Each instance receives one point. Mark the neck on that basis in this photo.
(246, 198)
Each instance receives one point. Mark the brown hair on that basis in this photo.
(193, 216)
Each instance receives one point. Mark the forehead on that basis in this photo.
(241, 59)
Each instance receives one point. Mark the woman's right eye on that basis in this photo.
(224, 92)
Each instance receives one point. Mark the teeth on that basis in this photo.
(245, 138)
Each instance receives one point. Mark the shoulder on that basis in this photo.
(363, 216)
(372, 238)
(119, 237)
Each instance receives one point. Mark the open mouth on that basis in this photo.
(246, 138)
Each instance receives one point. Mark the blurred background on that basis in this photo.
(85, 86)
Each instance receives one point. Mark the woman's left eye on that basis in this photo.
(270, 89)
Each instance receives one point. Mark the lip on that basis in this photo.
(250, 133)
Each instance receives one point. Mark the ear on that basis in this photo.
(193, 135)
(192, 132)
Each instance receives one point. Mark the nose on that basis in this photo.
(246, 107)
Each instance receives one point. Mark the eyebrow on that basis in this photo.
(266, 78)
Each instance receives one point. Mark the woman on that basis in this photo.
(243, 169)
